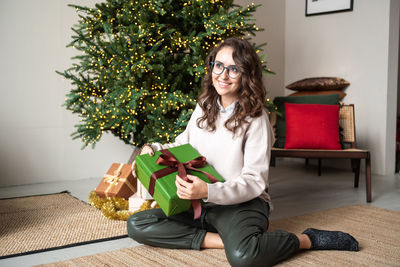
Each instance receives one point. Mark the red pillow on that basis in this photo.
(312, 126)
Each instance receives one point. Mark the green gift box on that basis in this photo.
(165, 189)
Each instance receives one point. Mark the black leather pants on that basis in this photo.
(242, 228)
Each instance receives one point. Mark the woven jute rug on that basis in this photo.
(376, 229)
(40, 223)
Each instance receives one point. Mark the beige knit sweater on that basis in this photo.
(242, 160)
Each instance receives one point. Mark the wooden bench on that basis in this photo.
(347, 122)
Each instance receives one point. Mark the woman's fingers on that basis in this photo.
(194, 188)
(182, 182)
(181, 189)
(146, 149)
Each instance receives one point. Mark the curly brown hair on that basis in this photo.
(251, 94)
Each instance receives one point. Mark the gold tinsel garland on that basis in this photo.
(116, 208)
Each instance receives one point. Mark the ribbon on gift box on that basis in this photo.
(168, 159)
(114, 179)
(142, 191)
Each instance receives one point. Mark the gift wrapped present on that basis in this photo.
(117, 182)
(142, 191)
(137, 203)
(158, 173)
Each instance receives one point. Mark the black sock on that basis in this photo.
(321, 239)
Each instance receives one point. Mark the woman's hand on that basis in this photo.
(195, 188)
(146, 149)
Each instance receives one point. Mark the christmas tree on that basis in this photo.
(139, 71)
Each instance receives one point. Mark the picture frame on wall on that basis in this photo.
(320, 7)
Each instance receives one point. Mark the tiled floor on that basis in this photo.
(295, 189)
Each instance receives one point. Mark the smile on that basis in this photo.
(223, 84)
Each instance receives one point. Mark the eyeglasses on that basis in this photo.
(218, 68)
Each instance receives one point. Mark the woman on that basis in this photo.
(230, 127)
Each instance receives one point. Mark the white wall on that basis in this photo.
(35, 142)
(34, 128)
(392, 77)
(271, 17)
(355, 46)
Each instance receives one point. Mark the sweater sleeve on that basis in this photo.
(253, 179)
(184, 137)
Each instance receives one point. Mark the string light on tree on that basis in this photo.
(141, 62)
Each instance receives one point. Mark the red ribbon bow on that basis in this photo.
(168, 159)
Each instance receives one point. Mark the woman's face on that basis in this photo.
(226, 86)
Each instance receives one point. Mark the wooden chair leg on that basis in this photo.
(306, 161)
(368, 177)
(356, 169)
(353, 165)
(319, 167)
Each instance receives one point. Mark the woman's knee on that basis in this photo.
(138, 224)
(249, 254)
(248, 259)
(256, 251)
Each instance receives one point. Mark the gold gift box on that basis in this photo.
(117, 182)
